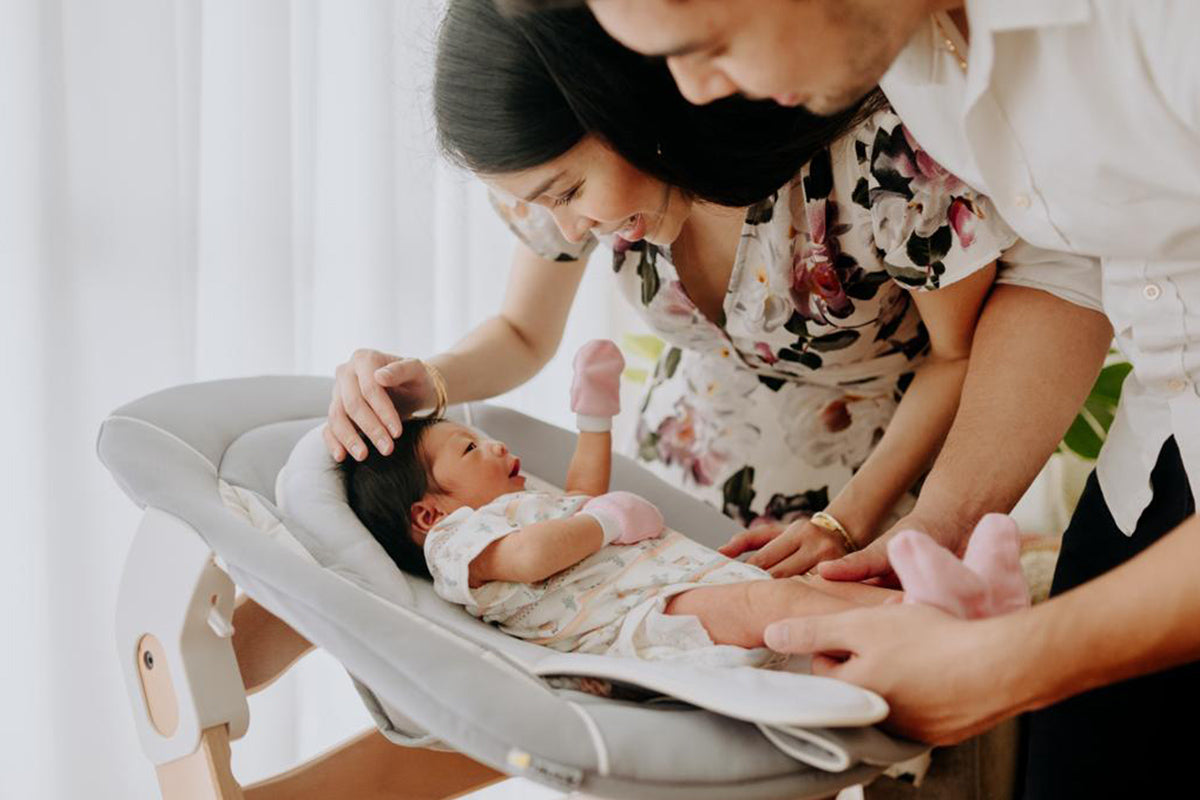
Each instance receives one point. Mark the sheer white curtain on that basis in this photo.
(193, 189)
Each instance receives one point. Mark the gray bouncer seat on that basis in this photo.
(431, 676)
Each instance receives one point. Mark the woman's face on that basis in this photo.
(592, 189)
(823, 54)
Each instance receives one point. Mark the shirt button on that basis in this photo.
(1151, 291)
(1022, 201)
(1177, 384)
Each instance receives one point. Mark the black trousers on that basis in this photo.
(1114, 741)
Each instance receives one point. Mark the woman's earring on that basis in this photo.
(658, 149)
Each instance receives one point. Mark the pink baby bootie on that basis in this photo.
(985, 583)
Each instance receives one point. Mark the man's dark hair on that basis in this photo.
(513, 93)
(382, 489)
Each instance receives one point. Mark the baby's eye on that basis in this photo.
(470, 447)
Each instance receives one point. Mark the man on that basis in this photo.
(1081, 120)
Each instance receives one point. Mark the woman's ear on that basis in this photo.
(423, 515)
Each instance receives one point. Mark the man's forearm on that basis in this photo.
(1141, 617)
(1033, 361)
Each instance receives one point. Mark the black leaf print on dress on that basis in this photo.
(647, 270)
(787, 507)
(818, 183)
(838, 340)
(926, 251)
(738, 493)
(866, 287)
(762, 212)
(890, 149)
(862, 194)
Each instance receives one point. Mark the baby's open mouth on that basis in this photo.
(516, 467)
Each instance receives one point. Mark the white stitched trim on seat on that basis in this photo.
(597, 738)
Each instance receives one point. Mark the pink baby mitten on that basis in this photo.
(625, 517)
(596, 388)
(986, 583)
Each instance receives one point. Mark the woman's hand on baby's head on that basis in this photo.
(372, 394)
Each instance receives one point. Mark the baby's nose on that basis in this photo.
(499, 449)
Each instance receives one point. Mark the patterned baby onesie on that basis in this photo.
(610, 603)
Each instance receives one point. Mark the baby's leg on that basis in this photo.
(737, 613)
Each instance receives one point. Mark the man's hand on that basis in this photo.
(946, 679)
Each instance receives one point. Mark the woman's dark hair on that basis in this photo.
(512, 93)
(382, 489)
(525, 6)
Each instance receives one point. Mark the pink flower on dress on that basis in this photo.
(678, 442)
(963, 216)
(836, 415)
(706, 467)
(927, 174)
(765, 353)
(675, 301)
(677, 437)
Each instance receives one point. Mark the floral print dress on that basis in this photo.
(767, 412)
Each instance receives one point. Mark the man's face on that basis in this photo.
(823, 54)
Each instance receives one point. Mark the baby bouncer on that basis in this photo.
(457, 704)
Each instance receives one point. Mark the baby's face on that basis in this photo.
(470, 469)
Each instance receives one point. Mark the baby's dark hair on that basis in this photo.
(382, 489)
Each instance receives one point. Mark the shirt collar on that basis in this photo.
(1011, 15)
(916, 63)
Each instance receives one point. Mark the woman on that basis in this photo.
(818, 279)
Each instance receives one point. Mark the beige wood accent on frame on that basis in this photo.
(162, 704)
(366, 767)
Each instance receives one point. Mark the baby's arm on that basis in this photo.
(538, 551)
(595, 399)
(591, 465)
(542, 549)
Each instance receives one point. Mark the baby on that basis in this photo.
(587, 570)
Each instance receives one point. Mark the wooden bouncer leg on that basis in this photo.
(205, 774)
(369, 767)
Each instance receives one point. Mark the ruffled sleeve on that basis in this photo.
(930, 228)
(535, 226)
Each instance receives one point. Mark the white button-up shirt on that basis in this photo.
(1081, 120)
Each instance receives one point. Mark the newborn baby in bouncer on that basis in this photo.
(594, 571)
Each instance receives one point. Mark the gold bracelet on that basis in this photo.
(439, 389)
(828, 522)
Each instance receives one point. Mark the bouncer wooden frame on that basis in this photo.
(192, 652)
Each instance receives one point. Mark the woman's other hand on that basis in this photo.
(872, 563)
(372, 394)
(785, 550)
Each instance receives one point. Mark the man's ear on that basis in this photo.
(423, 515)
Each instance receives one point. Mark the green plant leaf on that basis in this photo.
(1111, 379)
(643, 345)
(1083, 440)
